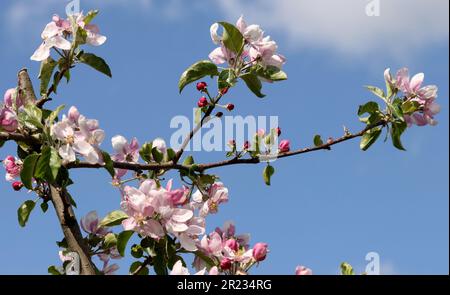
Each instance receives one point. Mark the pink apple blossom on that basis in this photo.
(90, 224)
(302, 271)
(260, 251)
(284, 146)
(8, 120)
(217, 194)
(125, 152)
(13, 166)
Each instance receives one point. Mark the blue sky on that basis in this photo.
(322, 208)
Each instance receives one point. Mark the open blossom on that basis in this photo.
(8, 120)
(413, 90)
(81, 136)
(13, 166)
(152, 212)
(56, 32)
(302, 271)
(179, 270)
(217, 194)
(259, 49)
(125, 152)
(90, 224)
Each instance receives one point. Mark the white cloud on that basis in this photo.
(343, 26)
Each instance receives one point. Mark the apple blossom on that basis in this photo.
(8, 120)
(284, 146)
(217, 194)
(13, 167)
(90, 224)
(179, 270)
(160, 144)
(260, 251)
(302, 271)
(78, 137)
(125, 152)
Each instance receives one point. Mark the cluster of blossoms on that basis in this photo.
(78, 135)
(258, 49)
(12, 105)
(13, 167)
(155, 211)
(413, 91)
(58, 33)
(230, 252)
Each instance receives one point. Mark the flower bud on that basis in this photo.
(73, 114)
(230, 107)
(260, 251)
(232, 142)
(225, 263)
(284, 146)
(232, 244)
(278, 131)
(8, 120)
(17, 185)
(201, 86)
(246, 145)
(202, 102)
(223, 91)
(219, 114)
(302, 271)
(330, 140)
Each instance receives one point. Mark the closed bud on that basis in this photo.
(230, 107)
(260, 251)
(202, 102)
(225, 263)
(201, 86)
(17, 185)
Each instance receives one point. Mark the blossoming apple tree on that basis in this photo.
(169, 221)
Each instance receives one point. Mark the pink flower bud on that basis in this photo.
(230, 107)
(232, 244)
(224, 91)
(260, 251)
(13, 167)
(202, 102)
(17, 185)
(201, 86)
(284, 146)
(8, 120)
(8, 98)
(278, 131)
(225, 263)
(246, 145)
(302, 271)
(232, 142)
(73, 114)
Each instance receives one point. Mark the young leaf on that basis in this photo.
(157, 155)
(53, 115)
(267, 174)
(369, 138)
(53, 270)
(45, 73)
(26, 175)
(226, 79)
(197, 71)
(318, 140)
(96, 62)
(48, 165)
(377, 91)
(110, 240)
(397, 130)
(146, 152)
(44, 206)
(347, 269)
(122, 240)
(23, 213)
(114, 218)
(108, 164)
(253, 83)
(410, 107)
(271, 73)
(90, 16)
(188, 161)
(232, 38)
(370, 108)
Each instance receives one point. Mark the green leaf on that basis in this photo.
(48, 165)
(146, 152)
(170, 154)
(28, 167)
(110, 240)
(90, 16)
(44, 206)
(347, 269)
(369, 138)
(53, 115)
(114, 218)
(267, 174)
(377, 91)
(24, 212)
(109, 166)
(157, 155)
(31, 116)
(271, 73)
(53, 271)
(370, 108)
(159, 264)
(409, 107)
(135, 265)
(396, 108)
(397, 130)
(253, 83)
(227, 78)
(318, 140)
(96, 62)
(232, 38)
(197, 71)
(45, 73)
(188, 161)
(122, 241)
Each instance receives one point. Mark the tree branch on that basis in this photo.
(234, 161)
